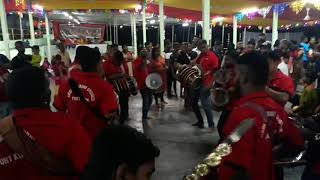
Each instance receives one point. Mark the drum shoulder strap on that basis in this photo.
(17, 139)
(77, 91)
(264, 115)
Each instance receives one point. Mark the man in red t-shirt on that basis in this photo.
(98, 94)
(62, 137)
(252, 157)
(280, 86)
(117, 69)
(140, 72)
(208, 63)
(4, 73)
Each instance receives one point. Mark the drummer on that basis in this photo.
(252, 157)
(98, 93)
(208, 63)
(117, 69)
(140, 72)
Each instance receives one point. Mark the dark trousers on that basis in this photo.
(309, 175)
(157, 96)
(222, 120)
(146, 101)
(124, 107)
(202, 94)
(171, 82)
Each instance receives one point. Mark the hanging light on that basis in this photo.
(185, 24)
(152, 21)
(307, 18)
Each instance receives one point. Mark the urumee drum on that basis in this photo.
(125, 85)
(189, 76)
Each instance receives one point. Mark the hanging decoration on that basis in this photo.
(280, 8)
(250, 16)
(317, 6)
(19, 2)
(240, 16)
(307, 18)
(297, 6)
(264, 11)
(28, 5)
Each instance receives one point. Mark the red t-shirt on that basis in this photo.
(254, 151)
(110, 68)
(283, 83)
(140, 74)
(63, 137)
(96, 91)
(209, 62)
(4, 73)
(158, 66)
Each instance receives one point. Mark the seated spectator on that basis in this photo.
(121, 153)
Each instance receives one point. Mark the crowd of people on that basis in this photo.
(86, 138)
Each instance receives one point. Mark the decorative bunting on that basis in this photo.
(264, 11)
(317, 6)
(297, 6)
(250, 16)
(280, 7)
(240, 16)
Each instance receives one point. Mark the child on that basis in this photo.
(308, 99)
(36, 58)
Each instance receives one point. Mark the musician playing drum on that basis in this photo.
(140, 72)
(251, 157)
(158, 65)
(228, 65)
(116, 69)
(97, 92)
(208, 63)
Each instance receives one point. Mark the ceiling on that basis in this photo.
(88, 4)
(181, 9)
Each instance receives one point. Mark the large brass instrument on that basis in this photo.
(189, 76)
(214, 159)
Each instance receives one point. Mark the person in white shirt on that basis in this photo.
(65, 57)
(283, 66)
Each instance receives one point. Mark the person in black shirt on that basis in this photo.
(20, 60)
(184, 59)
(171, 75)
(191, 54)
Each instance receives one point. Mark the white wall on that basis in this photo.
(43, 48)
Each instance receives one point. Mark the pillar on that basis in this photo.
(48, 37)
(20, 24)
(235, 29)
(162, 30)
(4, 28)
(206, 20)
(32, 36)
(172, 34)
(275, 20)
(135, 43)
(222, 38)
(244, 36)
(144, 24)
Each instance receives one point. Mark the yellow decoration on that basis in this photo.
(317, 6)
(297, 6)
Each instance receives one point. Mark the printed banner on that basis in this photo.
(79, 34)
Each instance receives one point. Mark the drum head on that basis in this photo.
(154, 81)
